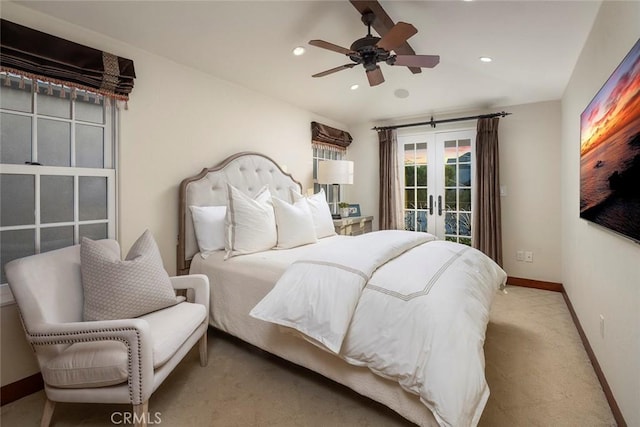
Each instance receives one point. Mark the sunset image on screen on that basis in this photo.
(616, 106)
(610, 151)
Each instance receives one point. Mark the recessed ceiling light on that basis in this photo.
(354, 87)
(298, 51)
(485, 59)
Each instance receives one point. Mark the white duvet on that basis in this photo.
(408, 307)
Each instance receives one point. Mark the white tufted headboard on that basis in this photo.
(247, 171)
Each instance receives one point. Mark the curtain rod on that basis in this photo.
(433, 123)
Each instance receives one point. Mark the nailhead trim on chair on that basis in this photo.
(103, 338)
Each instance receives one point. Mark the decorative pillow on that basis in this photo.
(294, 223)
(320, 212)
(250, 223)
(208, 222)
(116, 289)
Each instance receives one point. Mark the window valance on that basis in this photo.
(38, 55)
(323, 135)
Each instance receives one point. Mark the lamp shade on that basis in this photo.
(335, 172)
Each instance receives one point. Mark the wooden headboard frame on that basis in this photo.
(247, 171)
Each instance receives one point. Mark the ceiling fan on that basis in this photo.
(370, 50)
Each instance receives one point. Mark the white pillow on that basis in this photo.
(208, 222)
(320, 212)
(294, 223)
(250, 223)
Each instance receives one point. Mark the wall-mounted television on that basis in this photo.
(610, 151)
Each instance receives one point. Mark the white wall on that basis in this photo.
(179, 121)
(601, 270)
(529, 167)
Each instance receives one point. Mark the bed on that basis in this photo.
(241, 284)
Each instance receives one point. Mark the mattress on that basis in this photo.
(239, 283)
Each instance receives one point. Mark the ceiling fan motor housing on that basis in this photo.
(367, 53)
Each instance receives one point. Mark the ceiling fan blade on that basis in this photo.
(396, 36)
(375, 77)
(425, 61)
(333, 70)
(330, 46)
(382, 24)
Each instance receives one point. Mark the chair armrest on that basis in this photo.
(134, 333)
(199, 283)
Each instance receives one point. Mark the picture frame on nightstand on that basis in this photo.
(354, 210)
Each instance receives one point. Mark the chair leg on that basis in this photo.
(47, 413)
(140, 414)
(204, 359)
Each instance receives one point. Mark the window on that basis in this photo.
(322, 152)
(57, 167)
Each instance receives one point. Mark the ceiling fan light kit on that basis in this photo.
(370, 50)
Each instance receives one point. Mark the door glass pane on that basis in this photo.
(464, 150)
(450, 176)
(55, 238)
(87, 110)
(409, 154)
(465, 175)
(15, 244)
(421, 154)
(14, 98)
(450, 223)
(450, 200)
(54, 105)
(16, 139)
(410, 220)
(409, 176)
(465, 200)
(450, 151)
(93, 231)
(17, 199)
(422, 198)
(89, 146)
(421, 175)
(421, 221)
(464, 224)
(92, 197)
(409, 198)
(56, 198)
(54, 143)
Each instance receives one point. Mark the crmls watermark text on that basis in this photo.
(130, 418)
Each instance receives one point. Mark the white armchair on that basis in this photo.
(109, 361)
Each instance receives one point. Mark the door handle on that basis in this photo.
(440, 205)
(431, 204)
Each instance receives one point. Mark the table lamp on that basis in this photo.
(335, 172)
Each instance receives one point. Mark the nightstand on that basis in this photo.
(353, 226)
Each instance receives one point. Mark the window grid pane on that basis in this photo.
(16, 139)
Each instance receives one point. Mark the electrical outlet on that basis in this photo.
(602, 326)
(519, 256)
(528, 256)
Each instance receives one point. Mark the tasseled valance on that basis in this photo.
(41, 56)
(328, 137)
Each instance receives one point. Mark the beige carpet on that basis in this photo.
(537, 370)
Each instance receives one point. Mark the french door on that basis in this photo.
(438, 182)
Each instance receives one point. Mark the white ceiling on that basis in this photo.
(534, 44)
